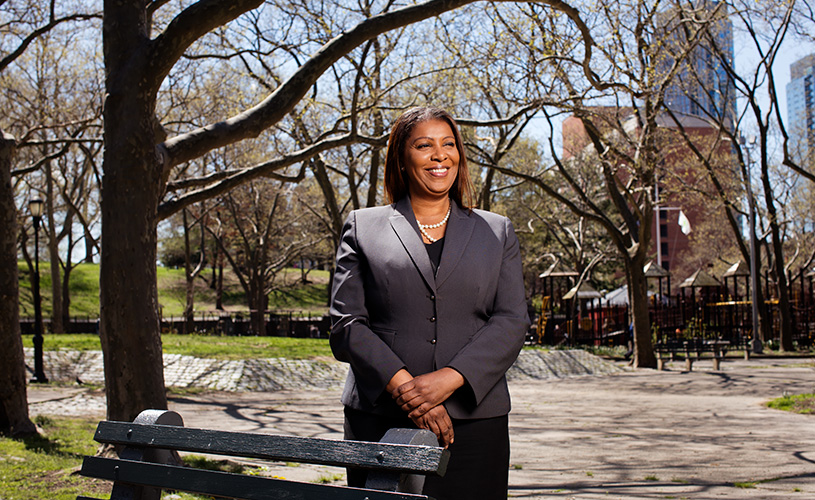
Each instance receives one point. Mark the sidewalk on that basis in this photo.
(632, 435)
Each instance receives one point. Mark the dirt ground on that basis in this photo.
(636, 435)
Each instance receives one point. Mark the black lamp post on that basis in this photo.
(35, 206)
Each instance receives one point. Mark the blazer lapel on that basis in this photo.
(407, 229)
(459, 230)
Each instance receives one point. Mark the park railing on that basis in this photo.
(285, 324)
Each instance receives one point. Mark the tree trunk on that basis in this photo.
(89, 245)
(486, 189)
(53, 257)
(638, 297)
(14, 418)
(132, 181)
(219, 286)
(762, 329)
(66, 296)
(784, 307)
(258, 303)
(189, 307)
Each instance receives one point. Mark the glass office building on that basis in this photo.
(702, 87)
(801, 108)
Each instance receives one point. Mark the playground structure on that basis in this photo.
(703, 307)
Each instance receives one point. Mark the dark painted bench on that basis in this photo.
(398, 464)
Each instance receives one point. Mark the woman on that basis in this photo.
(428, 308)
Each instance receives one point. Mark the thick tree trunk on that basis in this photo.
(14, 418)
(638, 297)
(131, 342)
(132, 181)
(258, 304)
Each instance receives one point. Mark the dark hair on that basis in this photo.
(396, 180)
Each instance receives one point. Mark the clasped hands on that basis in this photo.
(421, 397)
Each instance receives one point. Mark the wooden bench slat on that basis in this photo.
(225, 484)
(382, 456)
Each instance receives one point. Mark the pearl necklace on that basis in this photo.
(423, 227)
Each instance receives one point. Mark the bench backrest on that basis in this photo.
(398, 463)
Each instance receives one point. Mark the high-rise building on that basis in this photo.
(801, 107)
(702, 87)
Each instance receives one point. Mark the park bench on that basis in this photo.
(696, 348)
(397, 465)
(693, 349)
(666, 351)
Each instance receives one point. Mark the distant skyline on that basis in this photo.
(801, 106)
(745, 57)
(702, 87)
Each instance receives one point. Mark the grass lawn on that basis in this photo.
(44, 466)
(206, 346)
(307, 296)
(798, 403)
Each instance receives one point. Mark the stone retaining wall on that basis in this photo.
(274, 374)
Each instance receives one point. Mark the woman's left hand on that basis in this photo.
(438, 422)
(425, 392)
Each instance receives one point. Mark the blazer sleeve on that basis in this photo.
(485, 359)
(373, 362)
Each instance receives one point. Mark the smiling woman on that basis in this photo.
(429, 310)
(431, 163)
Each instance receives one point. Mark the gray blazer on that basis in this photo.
(390, 312)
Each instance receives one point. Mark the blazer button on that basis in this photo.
(433, 319)
(433, 341)
(432, 297)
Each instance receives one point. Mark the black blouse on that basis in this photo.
(434, 252)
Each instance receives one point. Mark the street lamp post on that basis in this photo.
(36, 206)
(758, 347)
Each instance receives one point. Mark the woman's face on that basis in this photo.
(431, 159)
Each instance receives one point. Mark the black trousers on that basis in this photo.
(479, 455)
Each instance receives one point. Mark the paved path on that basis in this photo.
(631, 435)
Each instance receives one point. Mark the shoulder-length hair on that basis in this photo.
(396, 180)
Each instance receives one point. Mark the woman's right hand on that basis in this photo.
(438, 422)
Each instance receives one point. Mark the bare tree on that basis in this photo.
(266, 237)
(24, 24)
(751, 134)
(13, 398)
(139, 160)
(611, 74)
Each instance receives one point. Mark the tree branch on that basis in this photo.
(8, 59)
(188, 26)
(252, 122)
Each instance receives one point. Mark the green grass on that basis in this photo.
(206, 346)
(798, 403)
(43, 467)
(309, 298)
(744, 485)
(747, 485)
